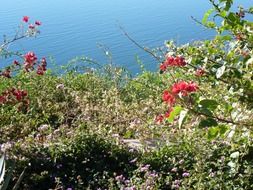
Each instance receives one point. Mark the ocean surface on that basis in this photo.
(79, 27)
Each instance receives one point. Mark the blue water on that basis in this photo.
(75, 28)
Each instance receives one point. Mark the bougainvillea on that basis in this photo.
(14, 97)
(25, 18)
(184, 88)
(220, 70)
(171, 61)
(168, 98)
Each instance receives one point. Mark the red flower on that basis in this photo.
(42, 67)
(30, 57)
(6, 73)
(13, 96)
(43, 62)
(24, 93)
(170, 60)
(2, 99)
(179, 61)
(40, 70)
(25, 18)
(167, 114)
(173, 62)
(159, 119)
(168, 97)
(200, 72)
(15, 62)
(192, 87)
(179, 87)
(239, 37)
(19, 94)
(184, 88)
(163, 66)
(38, 23)
(31, 26)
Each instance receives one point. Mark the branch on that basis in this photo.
(220, 119)
(13, 40)
(144, 49)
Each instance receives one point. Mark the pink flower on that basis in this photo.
(145, 168)
(186, 174)
(120, 178)
(174, 170)
(60, 86)
(38, 23)
(25, 18)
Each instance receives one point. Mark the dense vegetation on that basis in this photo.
(188, 126)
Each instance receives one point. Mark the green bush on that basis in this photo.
(85, 160)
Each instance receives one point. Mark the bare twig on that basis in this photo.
(220, 119)
(144, 49)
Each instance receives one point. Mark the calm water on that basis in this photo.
(75, 28)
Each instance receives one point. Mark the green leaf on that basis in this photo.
(224, 38)
(128, 134)
(210, 24)
(205, 111)
(250, 10)
(209, 122)
(233, 19)
(223, 13)
(228, 4)
(176, 111)
(213, 132)
(209, 104)
(206, 16)
(223, 129)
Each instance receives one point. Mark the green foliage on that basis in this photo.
(175, 112)
(222, 67)
(85, 160)
(71, 130)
